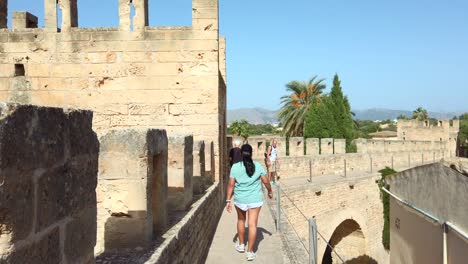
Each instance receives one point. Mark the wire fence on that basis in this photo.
(312, 249)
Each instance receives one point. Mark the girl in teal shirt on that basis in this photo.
(244, 181)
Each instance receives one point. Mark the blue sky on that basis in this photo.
(389, 54)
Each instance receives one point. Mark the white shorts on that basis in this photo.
(245, 207)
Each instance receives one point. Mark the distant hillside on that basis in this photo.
(265, 116)
(253, 115)
(383, 114)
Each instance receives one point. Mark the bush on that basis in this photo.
(385, 197)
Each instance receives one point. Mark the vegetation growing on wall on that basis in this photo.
(385, 197)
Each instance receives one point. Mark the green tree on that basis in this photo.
(365, 127)
(463, 134)
(240, 128)
(300, 97)
(420, 114)
(342, 113)
(320, 122)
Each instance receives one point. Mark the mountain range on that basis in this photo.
(265, 116)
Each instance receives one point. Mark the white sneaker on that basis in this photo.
(240, 248)
(250, 256)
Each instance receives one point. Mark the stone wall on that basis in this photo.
(296, 146)
(339, 146)
(180, 172)
(446, 131)
(190, 239)
(332, 206)
(352, 163)
(171, 78)
(379, 146)
(48, 167)
(312, 146)
(132, 189)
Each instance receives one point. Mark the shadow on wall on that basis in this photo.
(116, 230)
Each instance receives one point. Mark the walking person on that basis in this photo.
(272, 160)
(245, 181)
(235, 153)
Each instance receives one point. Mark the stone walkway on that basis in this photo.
(269, 244)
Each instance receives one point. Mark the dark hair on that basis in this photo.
(247, 159)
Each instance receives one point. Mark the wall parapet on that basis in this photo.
(188, 241)
(351, 164)
(48, 167)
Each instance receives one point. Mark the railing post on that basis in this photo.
(310, 170)
(371, 164)
(345, 168)
(392, 163)
(312, 241)
(278, 207)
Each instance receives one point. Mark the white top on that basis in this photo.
(273, 154)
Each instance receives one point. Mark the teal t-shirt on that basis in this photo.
(247, 189)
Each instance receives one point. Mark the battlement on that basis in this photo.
(444, 123)
(204, 15)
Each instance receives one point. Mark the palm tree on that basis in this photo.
(241, 128)
(296, 104)
(420, 114)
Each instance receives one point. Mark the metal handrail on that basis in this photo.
(324, 239)
(451, 225)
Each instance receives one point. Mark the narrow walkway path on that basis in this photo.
(269, 245)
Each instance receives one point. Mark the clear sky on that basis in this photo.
(390, 54)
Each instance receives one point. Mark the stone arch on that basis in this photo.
(349, 241)
(344, 223)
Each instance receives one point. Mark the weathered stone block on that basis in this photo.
(326, 146)
(79, 244)
(23, 19)
(29, 128)
(180, 171)
(42, 185)
(46, 250)
(312, 146)
(132, 187)
(296, 146)
(50, 15)
(3, 14)
(340, 146)
(83, 140)
(16, 210)
(125, 232)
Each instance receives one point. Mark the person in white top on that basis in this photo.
(272, 160)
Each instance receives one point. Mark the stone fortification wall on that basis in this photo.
(446, 131)
(136, 76)
(334, 207)
(189, 240)
(352, 163)
(298, 146)
(389, 146)
(48, 169)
